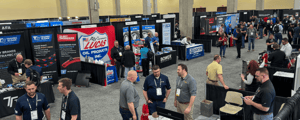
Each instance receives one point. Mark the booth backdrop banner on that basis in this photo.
(212, 25)
(166, 29)
(203, 27)
(111, 75)
(146, 29)
(44, 55)
(69, 55)
(95, 43)
(135, 39)
(10, 46)
(125, 36)
(235, 18)
(194, 51)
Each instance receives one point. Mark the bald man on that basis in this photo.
(129, 97)
(155, 41)
(128, 60)
(17, 69)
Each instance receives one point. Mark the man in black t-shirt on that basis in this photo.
(270, 43)
(262, 102)
(285, 22)
(277, 57)
(291, 33)
(238, 40)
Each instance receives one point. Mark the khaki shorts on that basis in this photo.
(17, 79)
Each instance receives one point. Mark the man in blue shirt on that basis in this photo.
(155, 42)
(156, 90)
(28, 64)
(32, 104)
(244, 30)
(234, 34)
(228, 29)
(148, 39)
(145, 62)
(70, 106)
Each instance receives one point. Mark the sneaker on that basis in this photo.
(253, 50)
(248, 51)
(224, 57)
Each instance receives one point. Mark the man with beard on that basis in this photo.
(32, 104)
(186, 88)
(262, 102)
(116, 55)
(156, 90)
(214, 72)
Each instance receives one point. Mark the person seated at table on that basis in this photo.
(17, 69)
(277, 57)
(251, 83)
(186, 41)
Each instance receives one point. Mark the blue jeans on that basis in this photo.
(126, 114)
(262, 117)
(243, 41)
(278, 36)
(295, 37)
(233, 42)
(251, 40)
(127, 69)
(152, 106)
(261, 33)
(222, 48)
(270, 32)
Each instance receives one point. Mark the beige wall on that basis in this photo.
(167, 6)
(129, 7)
(246, 5)
(211, 5)
(279, 4)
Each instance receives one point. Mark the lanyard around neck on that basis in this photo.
(159, 82)
(65, 106)
(36, 102)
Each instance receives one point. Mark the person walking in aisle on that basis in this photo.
(251, 34)
(214, 72)
(278, 32)
(238, 40)
(128, 60)
(223, 40)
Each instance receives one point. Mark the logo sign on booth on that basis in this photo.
(10, 46)
(194, 51)
(125, 36)
(44, 55)
(148, 28)
(166, 38)
(95, 43)
(69, 55)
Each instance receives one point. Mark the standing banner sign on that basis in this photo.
(125, 36)
(148, 28)
(111, 75)
(10, 46)
(44, 55)
(135, 42)
(69, 55)
(166, 38)
(95, 43)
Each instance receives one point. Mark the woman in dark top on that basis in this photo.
(251, 83)
(238, 40)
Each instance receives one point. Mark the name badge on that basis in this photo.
(251, 33)
(158, 92)
(20, 71)
(120, 53)
(178, 92)
(34, 115)
(271, 26)
(63, 115)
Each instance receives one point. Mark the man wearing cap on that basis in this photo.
(156, 89)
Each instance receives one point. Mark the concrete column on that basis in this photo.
(296, 4)
(118, 7)
(186, 17)
(62, 8)
(146, 7)
(260, 4)
(93, 6)
(155, 6)
(232, 6)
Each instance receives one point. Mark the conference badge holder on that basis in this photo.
(158, 92)
(63, 115)
(178, 92)
(34, 115)
(20, 71)
(120, 54)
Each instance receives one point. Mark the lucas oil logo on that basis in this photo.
(94, 45)
(196, 50)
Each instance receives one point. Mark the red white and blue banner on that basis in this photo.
(10, 46)
(111, 74)
(95, 43)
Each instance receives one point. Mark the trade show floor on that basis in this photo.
(102, 103)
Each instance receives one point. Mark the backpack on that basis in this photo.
(150, 55)
(35, 77)
(276, 29)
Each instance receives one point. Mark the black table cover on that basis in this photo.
(180, 50)
(165, 59)
(217, 94)
(97, 72)
(47, 90)
(8, 102)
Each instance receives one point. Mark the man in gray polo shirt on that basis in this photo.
(252, 34)
(185, 94)
(129, 97)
